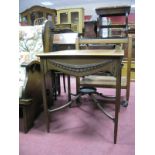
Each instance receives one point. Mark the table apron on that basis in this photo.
(83, 67)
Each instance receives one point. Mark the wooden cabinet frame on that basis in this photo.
(75, 27)
(34, 10)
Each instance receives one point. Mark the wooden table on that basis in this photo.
(81, 63)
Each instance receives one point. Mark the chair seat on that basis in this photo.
(102, 81)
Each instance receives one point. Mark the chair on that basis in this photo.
(58, 39)
(107, 81)
(30, 97)
(90, 83)
(30, 92)
(30, 87)
(53, 37)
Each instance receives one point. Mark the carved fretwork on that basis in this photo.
(81, 70)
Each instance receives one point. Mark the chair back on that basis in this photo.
(110, 43)
(53, 37)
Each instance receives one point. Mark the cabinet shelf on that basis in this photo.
(112, 26)
(105, 28)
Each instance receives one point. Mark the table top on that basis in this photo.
(83, 53)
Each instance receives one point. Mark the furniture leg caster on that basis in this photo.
(124, 103)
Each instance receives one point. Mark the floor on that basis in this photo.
(83, 130)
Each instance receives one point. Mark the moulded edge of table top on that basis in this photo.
(96, 53)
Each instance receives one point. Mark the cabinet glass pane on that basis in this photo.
(63, 18)
(74, 17)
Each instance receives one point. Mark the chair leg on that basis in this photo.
(54, 85)
(64, 83)
(77, 89)
(69, 90)
(125, 102)
(127, 93)
(58, 84)
(77, 84)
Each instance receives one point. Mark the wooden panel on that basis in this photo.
(90, 29)
(124, 70)
(114, 10)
